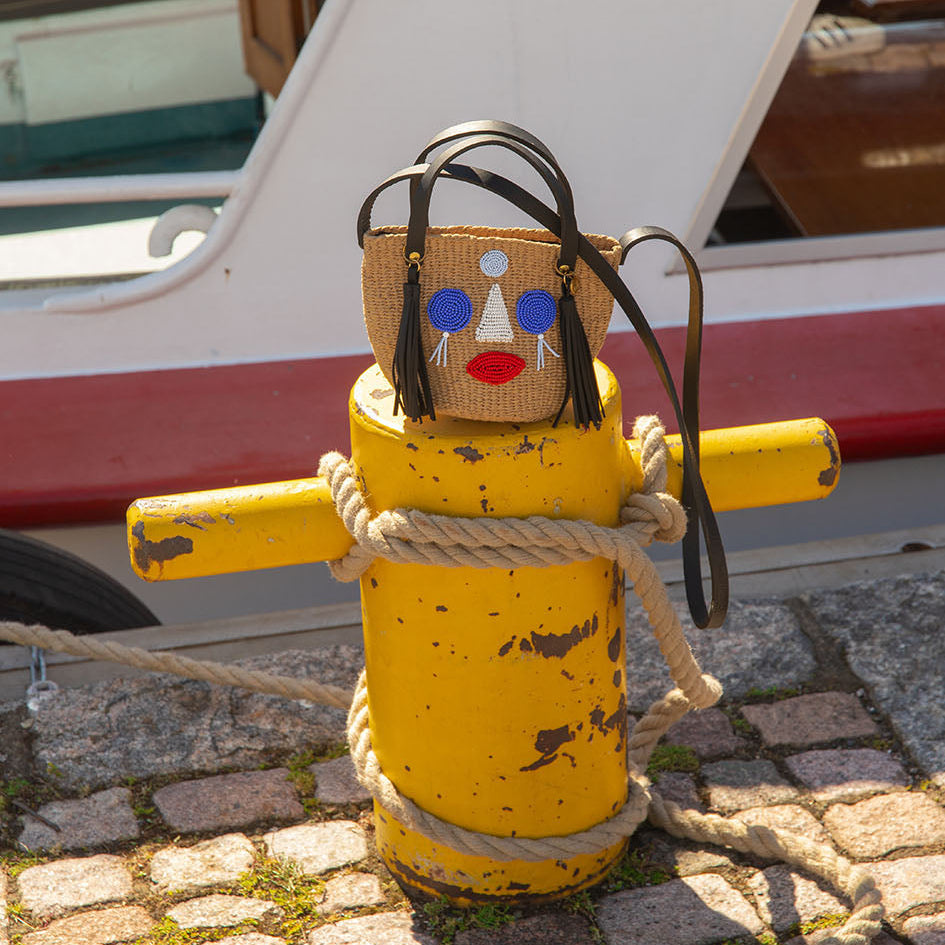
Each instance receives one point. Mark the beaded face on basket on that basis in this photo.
(489, 320)
(450, 311)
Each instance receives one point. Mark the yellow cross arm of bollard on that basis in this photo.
(247, 528)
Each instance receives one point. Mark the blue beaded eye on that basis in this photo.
(536, 311)
(450, 310)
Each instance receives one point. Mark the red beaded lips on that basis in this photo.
(495, 367)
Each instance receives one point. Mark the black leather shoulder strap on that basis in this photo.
(701, 516)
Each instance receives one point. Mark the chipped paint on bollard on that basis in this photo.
(497, 697)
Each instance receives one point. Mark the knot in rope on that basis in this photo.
(410, 536)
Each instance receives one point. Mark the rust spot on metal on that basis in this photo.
(373, 582)
(195, 520)
(541, 449)
(564, 672)
(515, 892)
(525, 646)
(148, 552)
(412, 446)
(413, 878)
(469, 453)
(558, 644)
(828, 476)
(616, 720)
(617, 677)
(504, 649)
(614, 645)
(484, 502)
(616, 584)
(548, 741)
(524, 447)
(441, 608)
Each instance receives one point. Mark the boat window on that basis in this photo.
(92, 90)
(854, 139)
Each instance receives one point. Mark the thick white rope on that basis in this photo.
(405, 535)
(224, 674)
(416, 537)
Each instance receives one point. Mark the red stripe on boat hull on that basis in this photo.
(79, 449)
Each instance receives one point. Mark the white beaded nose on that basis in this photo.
(494, 325)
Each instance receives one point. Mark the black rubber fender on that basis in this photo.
(40, 583)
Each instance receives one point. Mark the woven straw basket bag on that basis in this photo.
(493, 292)
(500, 323)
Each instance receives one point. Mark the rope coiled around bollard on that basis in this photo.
(410, 536)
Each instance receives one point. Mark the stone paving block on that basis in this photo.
(103, 927)
(251, 938)
(910, 881)
(670, 854)
(213, 912)
(783, 897)
(736, 785)
(385, 928)
(790, 817)
(161, 724)
(847, 774)
(807, 720)
(317, 848)
(350, 892)
(708, 732)
(697, 910)
(679, 787)
(336, 782)
(891, 634)
(105, 817)
(208, 863)
(760, 645)
(887, 822)
(556, 929)
(925, 929)
(52, 888)
(225, 801)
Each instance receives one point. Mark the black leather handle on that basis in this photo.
(420, 198)
(701, 516)
(503, 129)
(426, 175)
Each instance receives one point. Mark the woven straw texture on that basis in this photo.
(451, 261)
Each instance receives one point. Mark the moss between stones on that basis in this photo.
(446, 920)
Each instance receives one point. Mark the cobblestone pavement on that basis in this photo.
(163, 811)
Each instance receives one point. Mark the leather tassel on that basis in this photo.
(581, 382)
(409, 370)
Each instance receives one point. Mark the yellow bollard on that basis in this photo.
(497, 698)
(247, 528)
